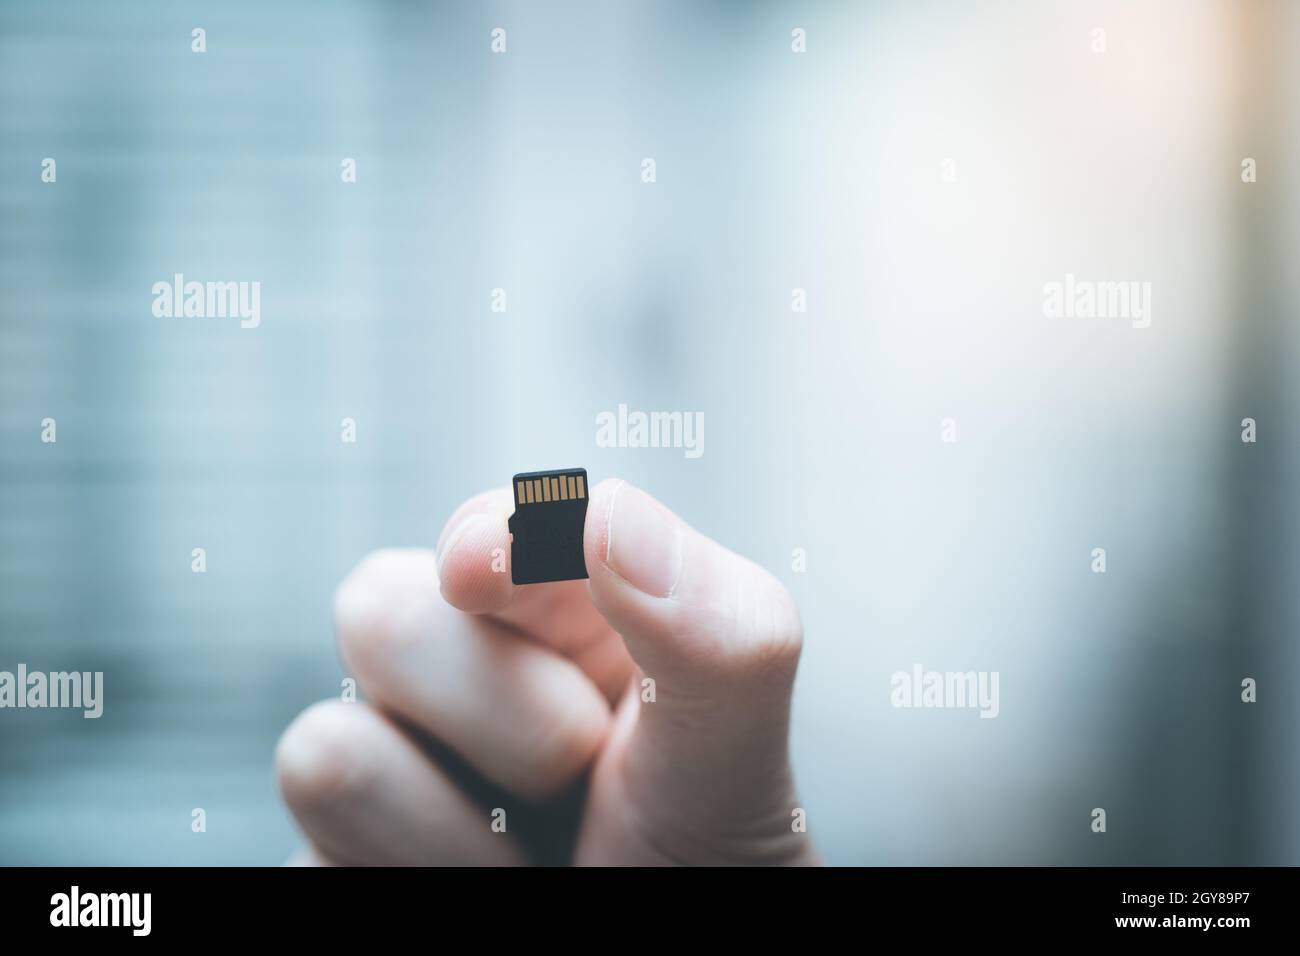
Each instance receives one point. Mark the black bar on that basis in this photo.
(327, 906)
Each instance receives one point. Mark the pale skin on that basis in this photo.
(479, 694)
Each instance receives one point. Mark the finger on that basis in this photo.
(364, 793)
(309, 856)
(721, 639)
(474, 576)
(476, 536)
(688, 608)
(521, 715)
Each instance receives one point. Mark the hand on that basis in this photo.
(536, 701)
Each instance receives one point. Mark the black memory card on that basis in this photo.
(546, 528)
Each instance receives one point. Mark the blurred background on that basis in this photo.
(921, 171)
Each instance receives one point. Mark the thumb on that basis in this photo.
(721, 638)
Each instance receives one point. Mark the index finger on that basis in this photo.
(474, 576)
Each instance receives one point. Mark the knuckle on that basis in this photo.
(323, 755)
(770, 617)
(379, 606)
(747, 631)
(561, 749)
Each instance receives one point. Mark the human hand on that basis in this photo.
(483, 695)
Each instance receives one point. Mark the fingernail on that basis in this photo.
(644, 542)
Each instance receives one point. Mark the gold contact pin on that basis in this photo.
(550, 488)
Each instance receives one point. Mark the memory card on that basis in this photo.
(546, 528)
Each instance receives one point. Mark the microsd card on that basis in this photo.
(546, 528)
